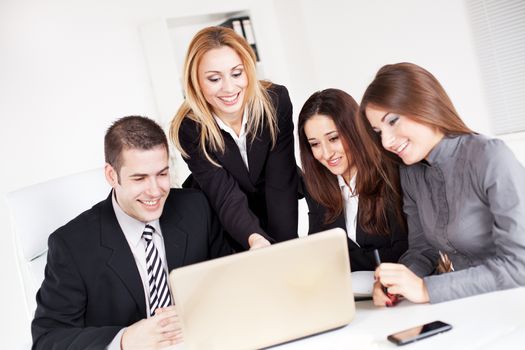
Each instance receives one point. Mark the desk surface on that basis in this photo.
(488, 321)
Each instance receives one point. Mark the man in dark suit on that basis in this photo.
(100, 289)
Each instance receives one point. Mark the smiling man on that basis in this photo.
(106, 276)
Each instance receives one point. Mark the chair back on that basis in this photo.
(38, 210)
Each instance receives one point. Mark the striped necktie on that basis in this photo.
(159, 294)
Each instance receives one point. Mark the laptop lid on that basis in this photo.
(268, 296)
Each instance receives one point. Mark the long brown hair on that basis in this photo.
(410, 90)
(257, 102)
(375, 194)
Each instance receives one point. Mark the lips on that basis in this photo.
(399, 149)
(230, 100)
(334, 162)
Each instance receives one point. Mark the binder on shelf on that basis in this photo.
(237, 26)
(243, 27)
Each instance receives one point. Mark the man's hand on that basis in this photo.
(156, 332)
(256, 241)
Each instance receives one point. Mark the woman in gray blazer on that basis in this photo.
(463, 193)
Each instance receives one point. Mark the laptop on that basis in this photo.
(265, 297)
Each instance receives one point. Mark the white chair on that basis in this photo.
(38, 210)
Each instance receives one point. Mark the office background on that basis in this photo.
(68, 68)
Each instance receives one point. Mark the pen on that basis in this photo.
(394, 299)
(377, 258)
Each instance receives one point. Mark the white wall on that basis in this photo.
(70, 67)
(348, 41)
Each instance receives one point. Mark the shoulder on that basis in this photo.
(279, 95)
(88, 221)
(491, 159)
(189, 127)
(483, 152)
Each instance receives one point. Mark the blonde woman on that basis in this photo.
(236, 135)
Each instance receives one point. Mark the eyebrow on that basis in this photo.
(143, 175)
(386, 114)
(328, 133)
(216, 71)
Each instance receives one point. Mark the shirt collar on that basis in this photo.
(131, 227)
(350, 186)
(229, 130)
(443, 150)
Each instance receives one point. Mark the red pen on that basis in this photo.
(394, 299)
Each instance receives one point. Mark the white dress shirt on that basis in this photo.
(351, 202)
(239, 140)
(133, 230)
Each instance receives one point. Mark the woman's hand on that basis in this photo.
(256, 241)
(398, 279)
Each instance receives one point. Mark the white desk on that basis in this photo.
(488, 321)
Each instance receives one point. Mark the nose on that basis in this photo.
(327, 151)
(227, 84)
(153, 187)
(387, 139)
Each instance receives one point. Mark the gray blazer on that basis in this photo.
(466, 200)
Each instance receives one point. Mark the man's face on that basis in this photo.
(144, 182)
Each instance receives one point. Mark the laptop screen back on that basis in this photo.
(268, 296)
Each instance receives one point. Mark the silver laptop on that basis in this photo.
(268, 296)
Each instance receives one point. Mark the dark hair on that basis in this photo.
(407, 89)
(131, 132)
(377, 181)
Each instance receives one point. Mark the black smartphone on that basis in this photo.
(420, 332)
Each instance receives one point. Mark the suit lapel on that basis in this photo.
(341, 222)
(232, 161)
(121, 261)
(175, 239)
(360, 235)
(257, 152)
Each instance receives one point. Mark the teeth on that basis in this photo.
(402, 147)
(150, 202)
(334, 161)
(229, 99)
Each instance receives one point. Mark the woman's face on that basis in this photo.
(223, 82)
(326, 145)
(408, 139)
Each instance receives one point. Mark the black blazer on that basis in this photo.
(390, 247)
(263, 199)
(92, 288)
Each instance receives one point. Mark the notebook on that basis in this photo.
(268, 296)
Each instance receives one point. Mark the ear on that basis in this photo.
(111, 175)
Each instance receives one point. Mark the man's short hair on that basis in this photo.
(132, 132)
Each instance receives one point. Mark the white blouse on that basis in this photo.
(351, 201)
(239, 140)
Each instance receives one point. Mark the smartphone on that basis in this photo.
(420, 332)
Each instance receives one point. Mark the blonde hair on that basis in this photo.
(257, 102)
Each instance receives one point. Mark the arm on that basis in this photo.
(420, 257)
(501, 185)
(59, 318)
(281, 182)
(217, 244)
(221, 188)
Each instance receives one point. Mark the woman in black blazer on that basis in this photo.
(344, 181)
(236, 135)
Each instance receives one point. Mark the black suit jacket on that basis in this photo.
(391, 246)
(263, 199)
(92, 287)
